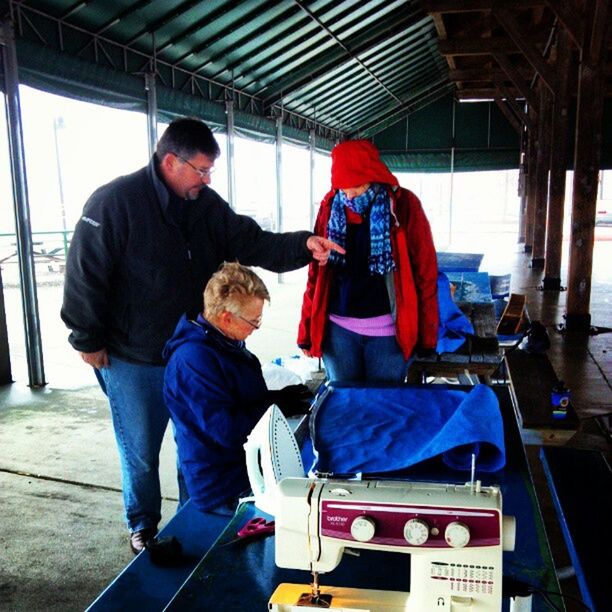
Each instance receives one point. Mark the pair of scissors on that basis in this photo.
(256, 527)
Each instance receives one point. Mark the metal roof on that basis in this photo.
(346, 67)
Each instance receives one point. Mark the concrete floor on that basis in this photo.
(63, 538)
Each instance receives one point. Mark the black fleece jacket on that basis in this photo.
(132, 271)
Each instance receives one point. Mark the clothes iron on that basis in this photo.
(272, 453)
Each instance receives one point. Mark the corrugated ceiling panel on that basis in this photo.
(333, 62)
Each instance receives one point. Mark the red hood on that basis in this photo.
(357, 162)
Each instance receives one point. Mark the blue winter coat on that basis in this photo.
(216, 393)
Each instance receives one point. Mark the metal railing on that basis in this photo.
(47, 250)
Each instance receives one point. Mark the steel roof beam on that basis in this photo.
(348, 111)
(316, 47)
(246, 39)
(223, 33)
(345, 48)
(354, 102)
(163, 20)
(75, 8)
(371, 53)
(348, 78)
(349, 67)
(377, 124)
(351, 71)
(198, 25)
(306, 76)
(356, 112)
(270, 43)
(122, 15)
(194, 81)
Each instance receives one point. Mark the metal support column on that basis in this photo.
(29, 300)
(452, 180)
(58, 125)
(522, 186)
(150, 86)
(311, 188)
(279, 178)
(231, 167)
(5, 359)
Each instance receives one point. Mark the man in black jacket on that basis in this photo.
(142, 252)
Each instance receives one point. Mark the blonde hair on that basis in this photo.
(230, 287)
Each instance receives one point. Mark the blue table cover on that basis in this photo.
(241, 575)
(459, 262)
(372, 430)
(454, 325)
(142, 585)
(472, 287)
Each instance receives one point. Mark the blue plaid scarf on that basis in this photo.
(376, 200)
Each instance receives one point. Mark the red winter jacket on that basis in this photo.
(415, 278)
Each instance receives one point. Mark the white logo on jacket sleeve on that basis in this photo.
(90, 221)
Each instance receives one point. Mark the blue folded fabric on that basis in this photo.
(454, 325)
(386, 429)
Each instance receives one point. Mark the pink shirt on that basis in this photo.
(382, 325)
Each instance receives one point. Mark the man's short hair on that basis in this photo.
(187, 137)
(230, 287)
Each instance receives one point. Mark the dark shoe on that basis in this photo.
(138, 539)
(166, 552)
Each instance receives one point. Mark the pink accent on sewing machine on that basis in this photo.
(337, 519)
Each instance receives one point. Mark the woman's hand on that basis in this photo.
(292, 400)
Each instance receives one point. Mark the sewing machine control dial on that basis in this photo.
(416, 531)
(457, 534)
(363, 528)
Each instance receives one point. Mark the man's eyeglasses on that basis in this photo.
(256, 324)
(204, 174)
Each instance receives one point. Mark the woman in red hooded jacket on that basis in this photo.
(368, 310)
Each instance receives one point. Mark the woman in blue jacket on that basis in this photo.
(215, 390)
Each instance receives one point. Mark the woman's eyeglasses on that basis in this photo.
(255, 324)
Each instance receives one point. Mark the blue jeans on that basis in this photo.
(140, 417)
(351, 357)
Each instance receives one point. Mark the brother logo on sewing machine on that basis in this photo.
(456, 535)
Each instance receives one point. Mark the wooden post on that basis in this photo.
(558, 166)
(541, 181)
(587, 161)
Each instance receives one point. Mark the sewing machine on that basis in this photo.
(455, 534)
